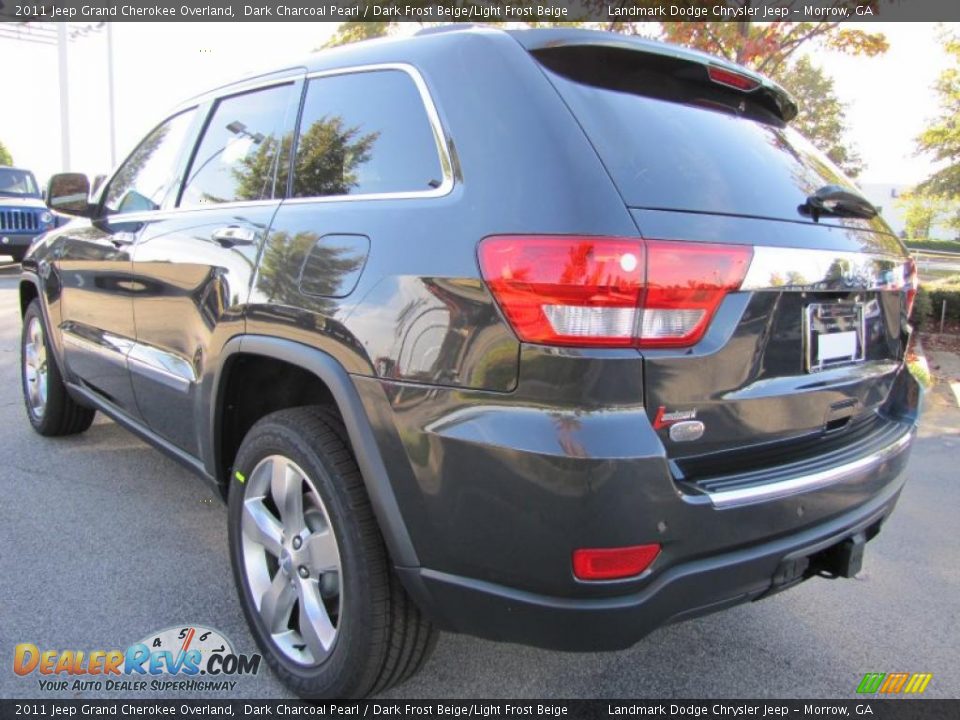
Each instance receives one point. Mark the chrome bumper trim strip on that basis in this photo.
(806, 483)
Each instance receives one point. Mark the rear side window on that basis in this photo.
(143, 180)
(671, 143)
(365, 133)
(242, 146)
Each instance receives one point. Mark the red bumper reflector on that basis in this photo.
(613, 563)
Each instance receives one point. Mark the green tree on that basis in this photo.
(5, 157)
(924, 213)
(822, 117)
(328, 156)
(255, 172)
(941, 140)
(766, 47)
(354, 31)
(769, 48)
(283, 277)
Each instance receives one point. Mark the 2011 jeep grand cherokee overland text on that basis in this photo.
(547, 336)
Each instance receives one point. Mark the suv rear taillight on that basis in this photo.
(607, 291)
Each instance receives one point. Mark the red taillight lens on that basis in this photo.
(613, 563)
(686, 282)
(566, 290)
(732, 79)
(610, 292)
(911, 283)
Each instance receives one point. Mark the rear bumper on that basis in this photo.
(686, 590)
(496, 494)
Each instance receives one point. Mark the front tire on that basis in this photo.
(311, 568)
(49, 406)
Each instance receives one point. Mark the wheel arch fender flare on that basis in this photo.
(53, 330)
(375, 476)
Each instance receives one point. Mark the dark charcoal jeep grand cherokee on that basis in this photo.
(550, 337)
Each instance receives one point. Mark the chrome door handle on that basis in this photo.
(234, 235)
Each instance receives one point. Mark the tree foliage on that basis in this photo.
(328, 157)
(354, 31)
(822, 117)
(255, 173)
(282, 266)
(5, 157)
(768, 47)
(926, 215)
(941, 140)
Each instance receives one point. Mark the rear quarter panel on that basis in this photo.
(420, 311)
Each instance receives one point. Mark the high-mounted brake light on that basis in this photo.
(911, 283)
(610, 292)
(613, 563)
(732, 79)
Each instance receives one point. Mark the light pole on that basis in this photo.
(64, 77)
(61, 34)
(110, 93)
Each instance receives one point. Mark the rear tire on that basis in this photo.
(49, 406)
(303, 534)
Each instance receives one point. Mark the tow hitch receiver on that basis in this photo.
(845, 559)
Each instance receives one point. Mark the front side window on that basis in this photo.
(143, 180)
(365, 133)
(242, 147)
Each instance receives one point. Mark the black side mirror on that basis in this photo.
(69, 194)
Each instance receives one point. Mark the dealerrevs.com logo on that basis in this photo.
(186, 658)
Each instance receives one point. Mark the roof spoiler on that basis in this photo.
(715, 69)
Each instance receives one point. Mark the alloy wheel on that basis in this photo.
(291, 560)
(35, 368)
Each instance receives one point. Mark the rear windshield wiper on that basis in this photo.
(838, 202)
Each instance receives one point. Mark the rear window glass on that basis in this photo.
(671, 144)
(365, 133)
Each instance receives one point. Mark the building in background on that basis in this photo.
(884, 196)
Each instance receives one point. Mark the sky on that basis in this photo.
(156, 65)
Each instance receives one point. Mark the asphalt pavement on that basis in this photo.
(103, 541)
